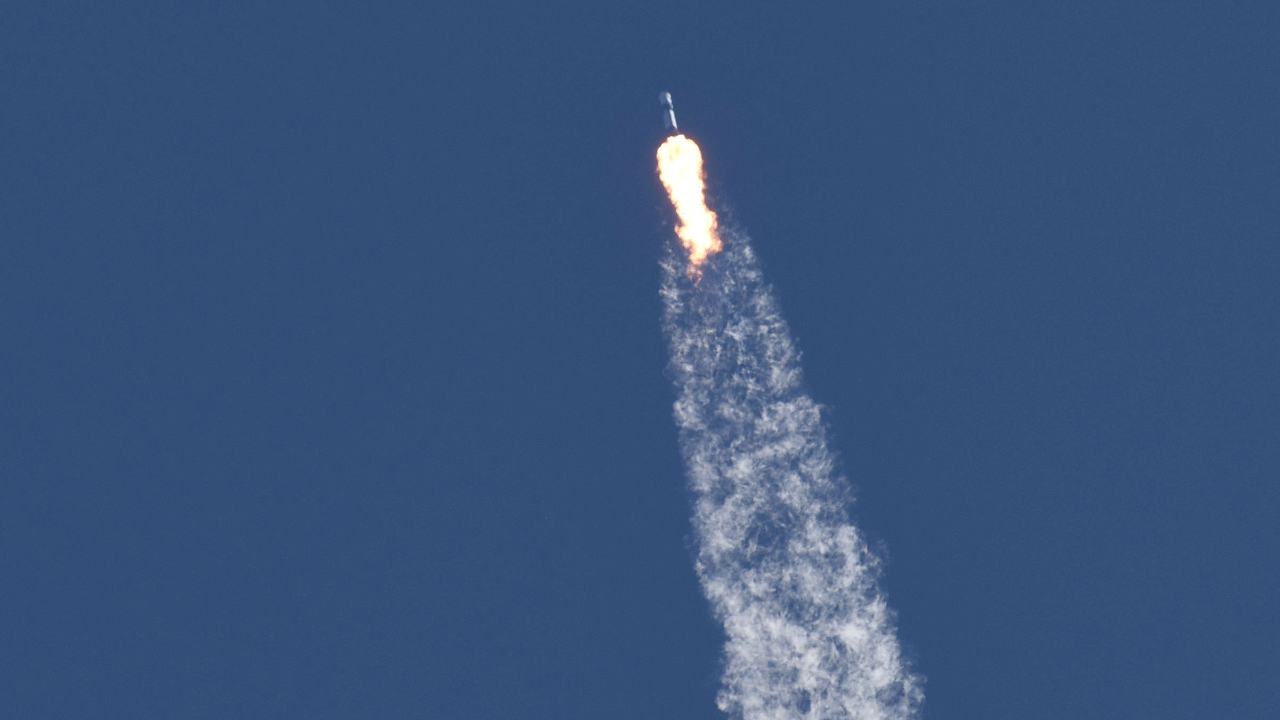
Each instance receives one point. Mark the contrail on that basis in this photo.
(809, 634)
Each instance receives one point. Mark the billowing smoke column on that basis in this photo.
(809, 634)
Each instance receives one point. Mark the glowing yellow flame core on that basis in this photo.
(680, 168)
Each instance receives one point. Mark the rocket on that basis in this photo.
(668, 113)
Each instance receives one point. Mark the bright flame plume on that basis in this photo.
(680, 168)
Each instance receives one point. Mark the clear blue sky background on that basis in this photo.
(332, 381)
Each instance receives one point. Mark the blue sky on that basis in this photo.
(335, 385)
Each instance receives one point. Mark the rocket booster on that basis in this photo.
(668, 113)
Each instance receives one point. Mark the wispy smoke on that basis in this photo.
(794, 583)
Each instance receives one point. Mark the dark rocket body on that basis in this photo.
(668, 113)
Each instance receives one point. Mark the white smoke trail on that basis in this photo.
(793, 582)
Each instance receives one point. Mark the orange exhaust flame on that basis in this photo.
(680, 169)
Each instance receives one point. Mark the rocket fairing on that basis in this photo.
(668, 113)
